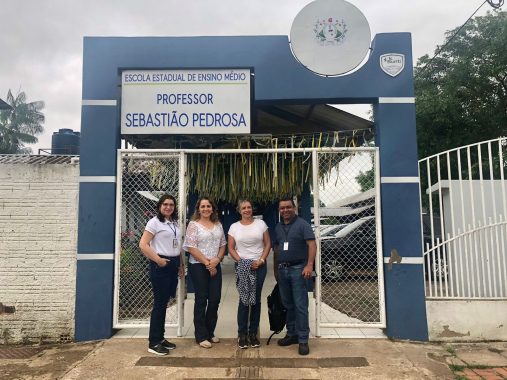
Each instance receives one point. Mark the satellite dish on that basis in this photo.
(330, 37)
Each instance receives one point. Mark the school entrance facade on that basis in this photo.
(387, 215)
(349, 288)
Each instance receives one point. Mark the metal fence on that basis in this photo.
(142, 179)
(351, 281)
(465, 225)
(38, 159)
(346, 217)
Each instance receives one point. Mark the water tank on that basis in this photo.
(65, 141)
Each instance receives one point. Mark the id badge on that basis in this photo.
(286, 246)
(175, 243)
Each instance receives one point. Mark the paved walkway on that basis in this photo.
(337, 356)
(328, 359)
(227, 324)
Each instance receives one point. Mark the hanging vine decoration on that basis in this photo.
(262, 177)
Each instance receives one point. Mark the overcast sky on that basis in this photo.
(41, 41)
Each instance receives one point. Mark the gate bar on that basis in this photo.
(316, 222)
(239, 151)
(117, 245)
(182, 217)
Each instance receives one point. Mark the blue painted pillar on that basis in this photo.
(401, 228)
(96, 226)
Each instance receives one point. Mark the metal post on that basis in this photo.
(316, 222)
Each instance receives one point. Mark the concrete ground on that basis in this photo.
(328, 359)
(343, 353)
(227, 325)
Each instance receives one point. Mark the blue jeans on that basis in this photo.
(208, 291)
(164, 281)
(254, 310)
(294, 294)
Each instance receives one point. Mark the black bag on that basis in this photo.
(276, 312)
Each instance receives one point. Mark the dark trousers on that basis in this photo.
(164, 282)
(294, 295)
(253, 311)
(208, 291)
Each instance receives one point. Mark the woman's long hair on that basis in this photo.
(174, 215)
(214, 214)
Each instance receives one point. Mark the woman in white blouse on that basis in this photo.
(205, 241)
(249, 245)
(161, 244)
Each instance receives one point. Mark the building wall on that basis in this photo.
(467, 320)
(38, 239)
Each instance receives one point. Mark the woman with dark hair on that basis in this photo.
(161, 244)
(205, 241)
(249, 245)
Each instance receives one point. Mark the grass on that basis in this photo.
(456, 368)
(450, 350)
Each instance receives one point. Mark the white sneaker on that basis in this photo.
(205, 344)
(215, 339)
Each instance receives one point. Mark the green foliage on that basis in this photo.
(20, 125)
(366, 180)
(461, 97)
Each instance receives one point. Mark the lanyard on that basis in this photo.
(172, 226)
(286, 231)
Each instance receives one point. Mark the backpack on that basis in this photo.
(276, 312)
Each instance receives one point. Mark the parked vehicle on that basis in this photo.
(328, 231)
(350, 252)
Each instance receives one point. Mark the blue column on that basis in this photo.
(96, 228)
(401, 228)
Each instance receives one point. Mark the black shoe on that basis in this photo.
(158, 349)
(288, 340)
(254, 342)
(304, 349)
(168, 345)
(243, 341)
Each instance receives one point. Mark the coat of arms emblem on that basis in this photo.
(392, 64)
(330, 31)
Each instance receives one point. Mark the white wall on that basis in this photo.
(38, 243)
(478, 262)
(472, 320)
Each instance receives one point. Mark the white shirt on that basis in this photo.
(205, 240)
(164, 235)
(249, 238)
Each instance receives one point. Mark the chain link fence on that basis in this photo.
(144, 178)
(350, 262)
(351, 281)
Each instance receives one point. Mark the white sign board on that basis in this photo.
(185, 102)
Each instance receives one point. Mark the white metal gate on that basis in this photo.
(349, 291)
(464, 195)
(142, 178)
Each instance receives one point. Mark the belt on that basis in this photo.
(167, 257)
(286, 264)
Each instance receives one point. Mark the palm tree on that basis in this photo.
(20, 125)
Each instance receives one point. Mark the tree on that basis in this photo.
(20, 125)
(366, 180)
(461, 95)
